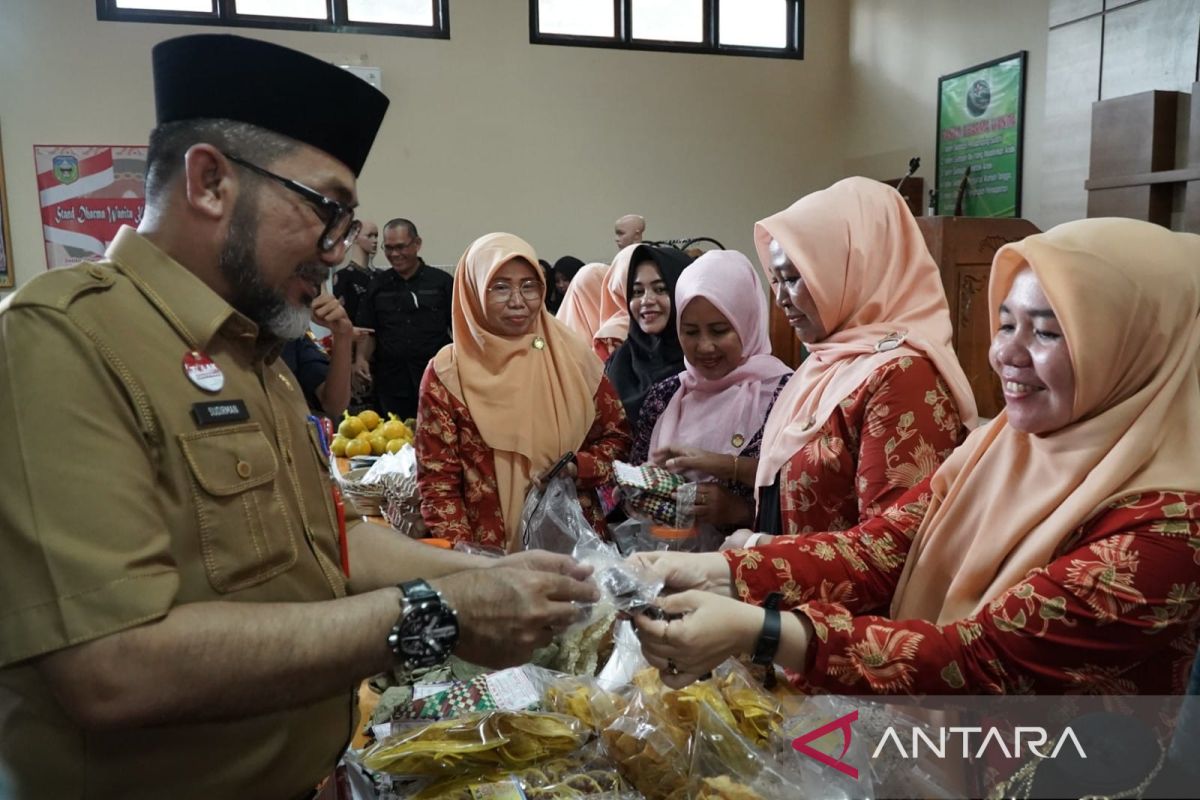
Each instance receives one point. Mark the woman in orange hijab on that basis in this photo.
(881, 399)
(1056, 551)
(515, 391)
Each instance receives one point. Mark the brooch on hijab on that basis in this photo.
(738, 440)
(811, 421)
(889, 342)
(539, 343)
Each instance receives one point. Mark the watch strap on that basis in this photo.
(417, 591)
(768, 639)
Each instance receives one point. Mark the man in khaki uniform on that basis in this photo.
(175, 619)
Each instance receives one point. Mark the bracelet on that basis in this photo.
(768, 640)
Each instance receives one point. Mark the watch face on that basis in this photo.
(426, 635)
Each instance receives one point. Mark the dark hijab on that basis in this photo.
(645, 359)
(568, 267)
(553, 301)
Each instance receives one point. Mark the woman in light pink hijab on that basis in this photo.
(580, 309)
(881, 399)
(614, 306)
(707, 421)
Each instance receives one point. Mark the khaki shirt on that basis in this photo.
(117, 505)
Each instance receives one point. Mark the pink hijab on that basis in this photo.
(879, 296)
(614, 308)
(580, 310)
(721, 416)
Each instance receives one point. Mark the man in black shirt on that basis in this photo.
(409, 308)
(351, 282)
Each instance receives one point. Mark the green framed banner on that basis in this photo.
(980, 131)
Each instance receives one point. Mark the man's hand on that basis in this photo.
(546, 561)
(362, 370)
(328, 311)
(681, 572)
(505, 613)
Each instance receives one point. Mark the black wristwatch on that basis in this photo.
(426, 631)
(768, 640)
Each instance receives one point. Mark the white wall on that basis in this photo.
(486, 131)
(898, 50)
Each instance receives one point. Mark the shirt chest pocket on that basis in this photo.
(246, 534)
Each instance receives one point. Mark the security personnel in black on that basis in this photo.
(409, 308)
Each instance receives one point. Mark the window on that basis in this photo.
(428, 18)
(769, 28)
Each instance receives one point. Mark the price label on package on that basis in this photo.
(512, 689)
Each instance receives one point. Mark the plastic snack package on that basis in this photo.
(758, 714)
(475, 743)
(653, 493)
(728, 766)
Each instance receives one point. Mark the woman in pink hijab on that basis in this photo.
(707, 420)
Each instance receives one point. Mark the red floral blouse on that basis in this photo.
(456, 471)
(888, 436)
(1114, 612)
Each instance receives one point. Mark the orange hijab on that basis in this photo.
(531, 404)
(614, 308)
(874, 284)
(1127, 295)
(580, 309)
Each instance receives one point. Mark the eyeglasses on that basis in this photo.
(340, 225)
(398, 248)
(503, 292)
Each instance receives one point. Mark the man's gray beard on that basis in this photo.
(266, 307)
(289, 322)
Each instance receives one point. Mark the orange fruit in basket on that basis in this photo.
(350, 427)
(396, 445)
(394, 428)
(378, 444)
(338, 446)
(369, 419)
(358, 447)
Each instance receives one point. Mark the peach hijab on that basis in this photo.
(879, 296)
(1127, 295)
(580, 309)
(614, 307)
(530, 403)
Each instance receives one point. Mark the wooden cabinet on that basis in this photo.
(963, 248)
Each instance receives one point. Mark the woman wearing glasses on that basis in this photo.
(515, 391)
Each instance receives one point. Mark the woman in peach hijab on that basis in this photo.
(515, 391)
(580, 309)
(614, 307)
(1056, 551)
(881, 399)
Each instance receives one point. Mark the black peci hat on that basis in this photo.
(217, 76)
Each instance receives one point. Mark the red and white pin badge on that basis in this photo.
(203, 371)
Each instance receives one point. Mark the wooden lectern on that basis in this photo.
(963, 248)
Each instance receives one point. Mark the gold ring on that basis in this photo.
(671, 668)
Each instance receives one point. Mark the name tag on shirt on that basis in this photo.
(219, 412)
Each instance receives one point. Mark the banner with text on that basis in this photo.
(87, 192)
(980, 123)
